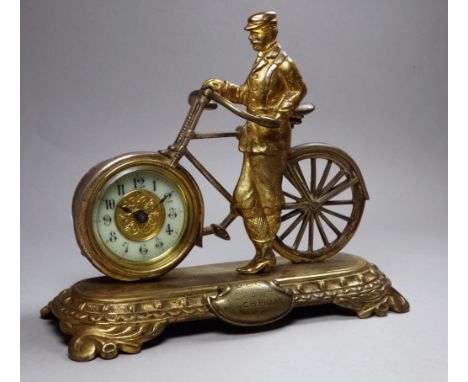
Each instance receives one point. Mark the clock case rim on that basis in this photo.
(83, 206)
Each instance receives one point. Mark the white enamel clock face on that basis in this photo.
(138, 216)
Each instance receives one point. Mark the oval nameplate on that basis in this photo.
(253, 303)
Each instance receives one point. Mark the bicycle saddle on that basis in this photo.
(299, 113)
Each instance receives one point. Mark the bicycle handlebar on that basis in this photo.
(264, 121)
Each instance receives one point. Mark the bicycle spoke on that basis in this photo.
(289, 195)
(300, 234)
(333, 181)
(338, 189)
(291, 227)
(289, 176)
(291, 206)
(324, 176)
(300, 174)
(290, 214)
(338, 202)
(310, 244)
(295, 205)
(292, 175)
(338, 215)
(313, 175)
(299, 178)
(330, 224)
(322, 231)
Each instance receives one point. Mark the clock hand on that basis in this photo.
(140, 216)
(126, 209)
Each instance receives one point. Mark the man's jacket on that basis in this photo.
(274, 88)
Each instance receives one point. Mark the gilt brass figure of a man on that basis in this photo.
(273, 88)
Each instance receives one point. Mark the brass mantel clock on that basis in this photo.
(136, 217)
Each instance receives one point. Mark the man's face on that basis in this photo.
(260, 38)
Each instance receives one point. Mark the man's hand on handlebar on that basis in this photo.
(213, 83)
(217, 97)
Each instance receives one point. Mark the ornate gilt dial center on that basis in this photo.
(139, 215)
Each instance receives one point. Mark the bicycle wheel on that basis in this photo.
(136, 216)
(324, 201)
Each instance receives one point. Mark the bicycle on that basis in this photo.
(328, 203)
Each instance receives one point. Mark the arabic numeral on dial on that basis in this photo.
(158, 243)
(110, 204)
(168, 197)
(172, 213)
(107, 219)
(120, 189)
(143, 249)
(112, 236)
(169, 230)
(139, 182)
(125, 246)
(154, 185)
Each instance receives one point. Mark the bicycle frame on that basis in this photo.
(178, 150)
(199, 101)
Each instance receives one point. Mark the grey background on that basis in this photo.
(104, 77)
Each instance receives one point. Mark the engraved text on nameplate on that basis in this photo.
(253, 303)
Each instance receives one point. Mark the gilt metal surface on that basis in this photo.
(273, 90)
(106, 316)
(139, 215)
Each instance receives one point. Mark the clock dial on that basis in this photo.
(136, 216)
(139, 215)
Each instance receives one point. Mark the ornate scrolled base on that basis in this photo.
(106, 316)
(89, 342)
(377, 302)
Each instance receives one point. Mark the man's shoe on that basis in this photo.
(258, 265)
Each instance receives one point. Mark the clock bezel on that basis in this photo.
(94, 183)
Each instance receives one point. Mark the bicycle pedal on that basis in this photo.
(220, 232)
